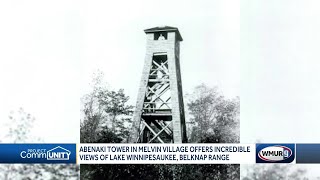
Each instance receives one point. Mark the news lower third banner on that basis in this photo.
(160, 153)
(166, 153)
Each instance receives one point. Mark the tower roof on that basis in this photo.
(164, 29)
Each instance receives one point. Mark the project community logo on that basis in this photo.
(58, 153)
(38, 153)
(275, 153)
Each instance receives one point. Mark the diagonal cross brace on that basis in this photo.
(154, 133)
(162, 125)
(160, 132)
(162, 68)
(158, 96)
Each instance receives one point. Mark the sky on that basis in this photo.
(39, 66)
(266, 52)
(116, 44)
(280, 77)
(50, 50)
(280, 71)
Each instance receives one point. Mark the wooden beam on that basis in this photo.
(154, 133)
(160, 132)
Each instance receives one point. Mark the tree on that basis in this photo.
(61, 171)
(214, 119)
(93, 113)
(203, 112)
(273, 171)
(115, 106)
(21, 124)
(104, 110)
(106, 118)
(19, 128)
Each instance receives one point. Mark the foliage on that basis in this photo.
(61, 171)
(92, 115)
(210, 171)
(274, 171)
(214, 119)
(117, 171)
(103, 111)
(21, 124)
(116, 109)
(107, 120)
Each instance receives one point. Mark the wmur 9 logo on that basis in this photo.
(275, 153)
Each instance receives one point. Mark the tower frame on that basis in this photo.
(159, 114)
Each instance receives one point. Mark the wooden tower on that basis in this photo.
(159, 115)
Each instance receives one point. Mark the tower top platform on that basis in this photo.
(165, 29)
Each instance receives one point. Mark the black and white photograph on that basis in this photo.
(163, 74)
(159, 72)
